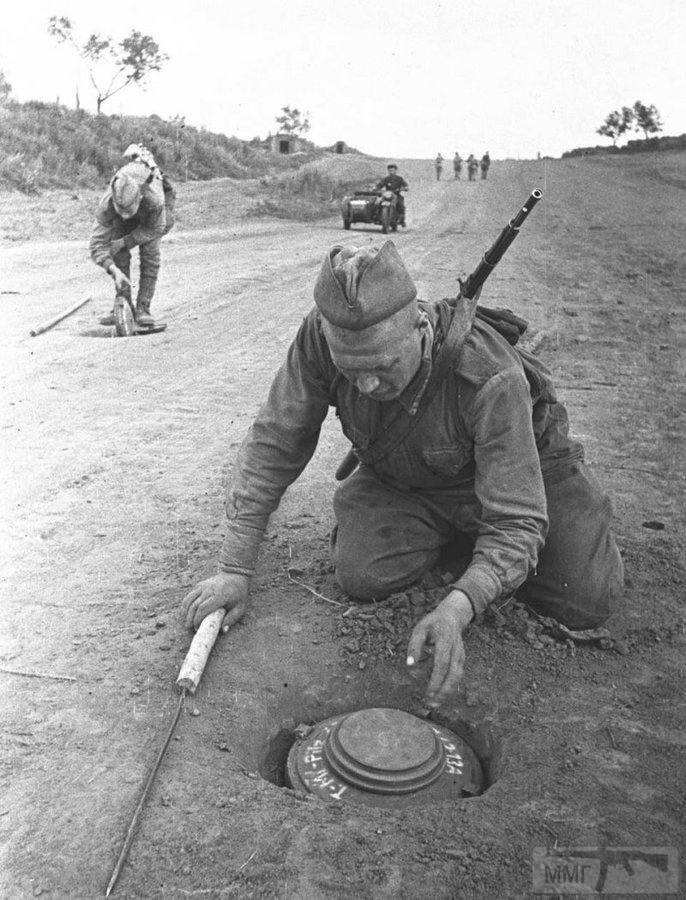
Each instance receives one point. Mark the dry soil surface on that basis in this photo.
(116, 453)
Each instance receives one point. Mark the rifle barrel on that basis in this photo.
(495, 253)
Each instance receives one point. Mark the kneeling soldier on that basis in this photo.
(459, 436)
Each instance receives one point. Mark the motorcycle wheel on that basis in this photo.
(385, 219)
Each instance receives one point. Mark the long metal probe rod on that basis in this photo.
(187, 683)
(46, 326)
(141, 802)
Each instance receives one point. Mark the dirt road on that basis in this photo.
(115, 457)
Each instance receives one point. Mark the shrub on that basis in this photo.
(46, 145)
(18, 174)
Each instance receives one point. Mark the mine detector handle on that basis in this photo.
(187, 682)
(199, 652)
(473, 283)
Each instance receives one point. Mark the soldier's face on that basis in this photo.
(380, 361)
(123, 212)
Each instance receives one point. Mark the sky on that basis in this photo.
(393, 78)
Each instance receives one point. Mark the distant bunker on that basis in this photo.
(285, 143)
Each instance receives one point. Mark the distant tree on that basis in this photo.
(5, 89)
(292, 121)
(647, 119)
(616, 124)
(111, 66)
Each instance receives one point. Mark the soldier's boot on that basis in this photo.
(143, 317)
(146, 291)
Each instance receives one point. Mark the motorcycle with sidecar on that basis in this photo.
(373, 207)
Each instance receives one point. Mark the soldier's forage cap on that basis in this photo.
(126, 189)
(391, 166)
(357, 288)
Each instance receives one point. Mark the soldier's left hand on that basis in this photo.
(443, 629)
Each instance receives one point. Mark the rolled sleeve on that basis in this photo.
(509, 486)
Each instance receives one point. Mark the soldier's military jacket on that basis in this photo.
(488, 430)
(392, 183)
(153, 220)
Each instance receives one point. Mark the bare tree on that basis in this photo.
(647, 119)
(111, 66)
(292, 121)
(616, 124)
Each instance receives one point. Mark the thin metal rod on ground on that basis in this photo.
(141, 802)
(37, 674)
(312, 591)
(46, 326)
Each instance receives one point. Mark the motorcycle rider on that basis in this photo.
(396, 183)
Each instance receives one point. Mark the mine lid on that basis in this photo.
(388, 739)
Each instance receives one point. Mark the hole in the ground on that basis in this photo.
(273, 766)
(376, 747)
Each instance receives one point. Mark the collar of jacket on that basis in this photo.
(412, 395)
(440, 316)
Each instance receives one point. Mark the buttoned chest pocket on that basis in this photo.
(448, 462)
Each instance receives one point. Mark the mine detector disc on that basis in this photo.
(125, 323)
(383, 757)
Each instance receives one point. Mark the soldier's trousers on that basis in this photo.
(149, 257)
(386, 539)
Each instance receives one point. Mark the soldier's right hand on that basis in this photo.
(443, 628)
(120, 280)
(225, 589)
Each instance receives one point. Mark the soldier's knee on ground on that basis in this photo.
(366, 584)
(367, 578)
(358, 584)
(580, 574)
(585, 602)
